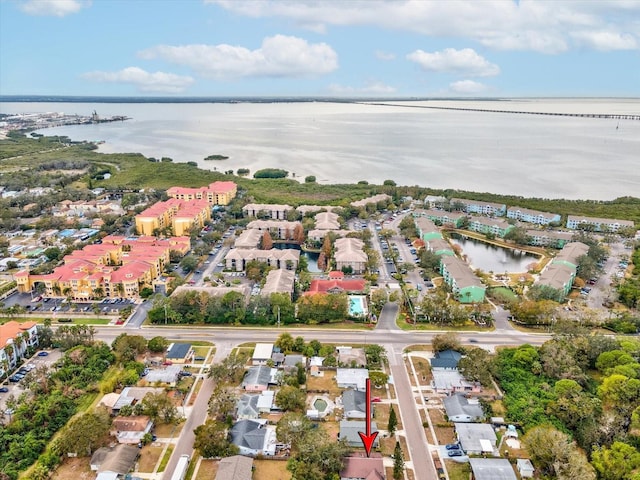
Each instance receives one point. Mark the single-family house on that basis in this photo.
(119, 459)
(525, 467)
(476, 438)
(262, 353)
(132, 429)
(349, 432)
(237, 467)
(355, 378)
(492, 469)
(452, 381)
(360, 467)
(253, 437)
(446, 359)
(354, 403)
(179, 353)
(168, 375)
(291, 361)
(247, 407)
(461, 409)
(258, 379)
(128, 396)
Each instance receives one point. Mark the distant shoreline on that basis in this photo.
(267, 99)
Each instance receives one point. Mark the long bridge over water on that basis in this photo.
(614, 116)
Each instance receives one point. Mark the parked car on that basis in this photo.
(455, 453)
(452, 446)
(4, 389)
(43, 354)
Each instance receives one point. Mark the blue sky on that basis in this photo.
(385, 48)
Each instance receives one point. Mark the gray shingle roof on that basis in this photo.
(446, 359)
(249, 434)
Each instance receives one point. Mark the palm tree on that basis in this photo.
(98, 292)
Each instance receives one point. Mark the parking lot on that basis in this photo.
(37, 304)
(15, 388)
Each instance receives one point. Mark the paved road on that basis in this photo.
(196, 418)
(420, 457)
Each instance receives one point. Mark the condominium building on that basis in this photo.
(217, 193)
(178, 216)
(598, 224)
(327, 221)
(119, 267)
(465, 285)
(427, 230)
(238, 258)
(349, 253)
(494, 226)
(532, 216)
(561, 272)
(481, 208)
(441, 217)
(276, 212)
(545, 238)
(278, 229)
(15, 339)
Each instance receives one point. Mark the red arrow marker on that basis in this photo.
(368, 438)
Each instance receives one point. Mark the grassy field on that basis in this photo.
(149, 457)
(207, 470)
(270, 470)
(458, 471)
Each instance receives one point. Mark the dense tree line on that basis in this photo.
(39, 415)
(576, 387)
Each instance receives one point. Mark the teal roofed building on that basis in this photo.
(439, 246)
(465, 285)
(495, 226)
(441, 217)
(427, 230)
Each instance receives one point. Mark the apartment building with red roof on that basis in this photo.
(177, 216)
(217, 193)
(119, 267)
(15, 339)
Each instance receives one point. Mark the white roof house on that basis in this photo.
(476, 438)
(352, 378)
(262, 353)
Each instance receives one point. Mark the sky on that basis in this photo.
(331, 48)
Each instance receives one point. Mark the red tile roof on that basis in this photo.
(324, 286)
(12, 329)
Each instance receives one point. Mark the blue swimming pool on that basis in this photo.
(357, 305)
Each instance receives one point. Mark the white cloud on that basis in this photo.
(372, 88)
(467, 87)
(606, 41)
(56, 8)
(278, 56)
(143, 80)
(381, 55)
(542, 26)
(450, 60)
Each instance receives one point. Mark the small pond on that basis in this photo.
(312, 258)
(492, 258)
